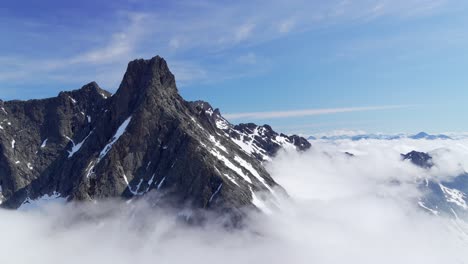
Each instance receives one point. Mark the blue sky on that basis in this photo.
(379, 66)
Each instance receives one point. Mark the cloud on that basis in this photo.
(286, 26)
(243, 32)
(340, 210)
(196, 33)
(249, 58)
(307, 112)
(187, 71)
(104, 62)
(174, 43)
(341, 132)
(121, 44)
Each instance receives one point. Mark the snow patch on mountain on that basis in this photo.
(33, 204)
(120, 131)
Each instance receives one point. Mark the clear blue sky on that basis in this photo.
(380, 66)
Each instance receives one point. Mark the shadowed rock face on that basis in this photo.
(35, 134)
(420, 159)
(87, 145)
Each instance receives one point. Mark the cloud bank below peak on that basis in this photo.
(334, 201)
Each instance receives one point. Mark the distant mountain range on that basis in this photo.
(421, 135)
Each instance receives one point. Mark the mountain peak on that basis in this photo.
(143, 80)
(145, 138)
(142, 73)
(91, 89)
(421, 134)
(424, 135)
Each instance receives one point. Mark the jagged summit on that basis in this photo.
(262, 142)
(143, 80)
(147, 74)
(88, 145)
(91, 88)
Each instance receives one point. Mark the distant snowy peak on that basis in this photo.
(421, 135)
(262, 142)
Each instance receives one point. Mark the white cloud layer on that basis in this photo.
(341, 210)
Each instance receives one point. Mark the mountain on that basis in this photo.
(262, 142)
(424, 135)
(88, 145)
(420, 159)
(448, 197)
(421, 135)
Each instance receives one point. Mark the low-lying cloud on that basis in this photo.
(341, 209)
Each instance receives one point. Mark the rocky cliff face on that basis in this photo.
(86, 145)
(36, 135)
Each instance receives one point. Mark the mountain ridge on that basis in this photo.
(87, 145)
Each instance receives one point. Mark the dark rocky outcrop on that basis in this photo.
(420, 159)
(88, 145)
(35, 135)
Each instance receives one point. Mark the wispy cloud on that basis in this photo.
(249, 58)
(121, 44)
(308, 112)
(243, 32)
(194, 33)
(286, 25)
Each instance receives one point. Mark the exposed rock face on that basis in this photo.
(86, 145)
(260, 141)
(35, 136)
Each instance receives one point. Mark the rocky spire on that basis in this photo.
(142, 79)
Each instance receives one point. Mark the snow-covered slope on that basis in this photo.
(262, 142)
(449, 197)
